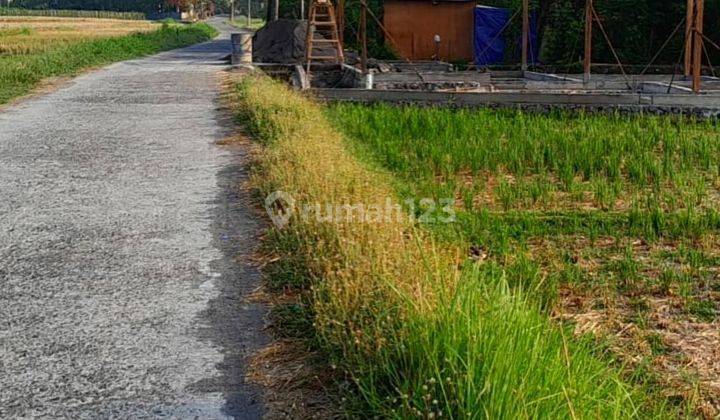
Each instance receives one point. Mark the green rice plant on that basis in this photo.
(602, 193)
(507, 193)
(704, 310)
(539, 189)
(468, 197)
(626, 270)
(421, 144)
(489, 354)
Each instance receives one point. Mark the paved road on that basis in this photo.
(122, 241)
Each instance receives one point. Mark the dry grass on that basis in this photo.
(293, 382)
(27, 35)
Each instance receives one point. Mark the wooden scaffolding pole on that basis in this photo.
(525, 33)
(340, 18)
(587, 59)
(689, 25)
(698, 45)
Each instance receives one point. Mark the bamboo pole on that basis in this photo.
(587, 59)
(698, 45)
(525, 33)
(689, 25)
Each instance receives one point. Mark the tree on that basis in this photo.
(227, 5)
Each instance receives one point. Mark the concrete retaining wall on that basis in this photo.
(704, 106)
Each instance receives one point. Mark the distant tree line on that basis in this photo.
(258, 8)
(145, 6)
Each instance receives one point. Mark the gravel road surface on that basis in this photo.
(123, 247)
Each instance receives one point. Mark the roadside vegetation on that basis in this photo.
(420, 322)
(96, 14)
(35, 48)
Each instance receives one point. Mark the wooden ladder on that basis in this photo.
(322, 32)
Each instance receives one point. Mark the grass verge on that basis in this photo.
(417, 327)
(20, 73)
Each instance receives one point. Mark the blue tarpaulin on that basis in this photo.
(489, 39)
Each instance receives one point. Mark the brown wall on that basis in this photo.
(414, 23)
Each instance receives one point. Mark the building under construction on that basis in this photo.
(429, 35)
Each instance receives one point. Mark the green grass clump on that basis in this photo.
(19, 74)
(420, 329)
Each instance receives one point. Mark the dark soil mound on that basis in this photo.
(281, 41)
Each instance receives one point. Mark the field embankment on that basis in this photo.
(36, 48)
(421, 327)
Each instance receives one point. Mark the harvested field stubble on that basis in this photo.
(418, 327)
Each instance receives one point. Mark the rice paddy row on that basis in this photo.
(610, 222)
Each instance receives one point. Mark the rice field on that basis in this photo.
(28, 35)
(608, 223)
(35, 48)
(415, 322)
